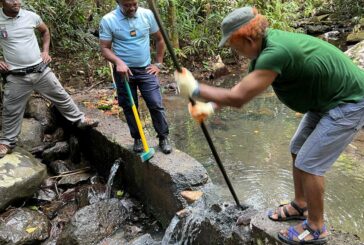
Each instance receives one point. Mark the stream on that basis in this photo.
(253, 145)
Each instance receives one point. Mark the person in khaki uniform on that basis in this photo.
(26, 70)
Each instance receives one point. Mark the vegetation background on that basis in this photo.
(193, 26)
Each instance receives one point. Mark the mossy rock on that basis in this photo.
(355, 37)
(361, 22)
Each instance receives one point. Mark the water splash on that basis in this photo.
(207, 221)
(110, 181)
(184, 227)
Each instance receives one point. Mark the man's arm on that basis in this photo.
(46, 40)
(108, 54)
(160, 46)
(250, 86)
(154, 69)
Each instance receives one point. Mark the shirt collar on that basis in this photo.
(121, 16)
(20, 14)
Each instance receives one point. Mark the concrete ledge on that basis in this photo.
(157, 182)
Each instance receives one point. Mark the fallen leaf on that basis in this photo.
(30, 230)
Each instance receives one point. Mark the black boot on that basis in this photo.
(138, 146)
(165, 145)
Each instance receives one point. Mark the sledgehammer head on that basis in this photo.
(146, 155)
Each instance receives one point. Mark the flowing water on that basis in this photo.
(110, 181)
(253, 145)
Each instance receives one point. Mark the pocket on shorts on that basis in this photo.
(348, 115)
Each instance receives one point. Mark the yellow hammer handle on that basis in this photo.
(141, 132)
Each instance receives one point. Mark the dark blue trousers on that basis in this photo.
(149, 88)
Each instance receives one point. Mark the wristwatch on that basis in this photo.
(159, 65)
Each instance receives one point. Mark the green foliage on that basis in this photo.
(349, 8)
(199, 22)
(198, 25)
(280, 14)
(70, 21)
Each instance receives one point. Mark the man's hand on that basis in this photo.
(153, 69)
(123, 70)
(45, 57)
(187, 84)
(201, 110)
(3, 67)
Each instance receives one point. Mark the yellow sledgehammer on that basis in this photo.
(148, 152)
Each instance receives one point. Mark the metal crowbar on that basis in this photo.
(203, 126)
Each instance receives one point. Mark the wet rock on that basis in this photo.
(45, 195)
(62, 216)
(204, 223)
(75, 152)
(93, 223)
(355, 37)
(145, 239)
(246, 217)
(115, 239)
(74, 179)
(51, 209)
(132, 230)
(356, 53)
(191, 196)
(23, 226)
(38, 150)
(31, 134)
(317, 29)
(20, 176)
(57, 135)
(183, 213)
(90, 194)
(37, 108)
(59, 151)
(331, 35)
(59, 166)
(264, 231)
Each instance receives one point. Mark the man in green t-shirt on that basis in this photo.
(309, 76)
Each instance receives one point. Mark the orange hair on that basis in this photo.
(254, 29)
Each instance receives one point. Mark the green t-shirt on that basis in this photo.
(313, 75)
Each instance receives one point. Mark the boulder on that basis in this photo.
(355, 37)
(20, 176)
(93, 223)
(356, 53)
(23, 226)
(38, 109)
(31, 134)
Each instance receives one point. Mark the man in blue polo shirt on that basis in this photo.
(124, 41)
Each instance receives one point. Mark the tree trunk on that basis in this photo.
(172, 23)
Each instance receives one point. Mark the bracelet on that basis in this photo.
(159, 65)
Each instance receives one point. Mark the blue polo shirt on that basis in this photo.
(129, 36)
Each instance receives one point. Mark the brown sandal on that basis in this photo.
(4, 149)
(283, 209)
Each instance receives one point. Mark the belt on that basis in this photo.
(38, 68)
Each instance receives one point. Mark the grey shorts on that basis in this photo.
(321, 137)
